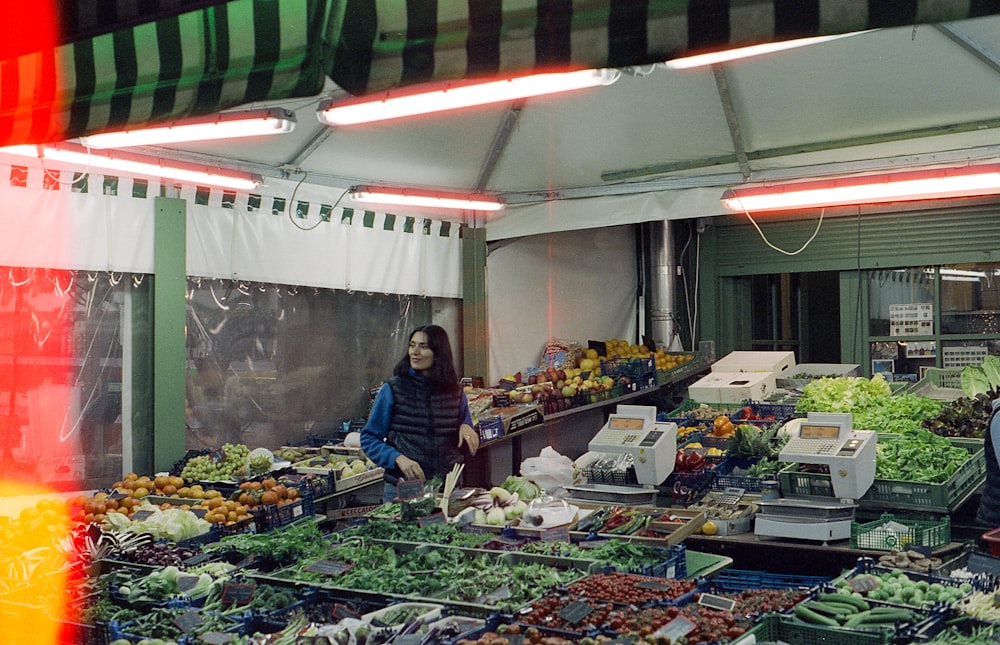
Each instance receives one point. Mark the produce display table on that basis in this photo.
(705, 565)
(787, 556)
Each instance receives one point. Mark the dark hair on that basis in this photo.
(442, 373)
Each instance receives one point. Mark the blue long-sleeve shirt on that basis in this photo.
(377, 427)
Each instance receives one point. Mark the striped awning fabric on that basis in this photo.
(109, 64)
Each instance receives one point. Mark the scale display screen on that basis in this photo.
(626, 423)
(819, 431)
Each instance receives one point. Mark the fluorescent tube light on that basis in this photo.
(711, 58)
(389, 196)
(913, 185)
(131, 163)
(226, 125)
(452, 96)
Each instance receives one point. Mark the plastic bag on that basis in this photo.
(550, 470)
(561, 354)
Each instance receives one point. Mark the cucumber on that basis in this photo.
(807, 615)
(887, 615)
(846, 599)
(829, 609)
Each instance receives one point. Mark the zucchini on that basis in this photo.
(885, 615)
(807, 615)
(846, 599)
(829, 609)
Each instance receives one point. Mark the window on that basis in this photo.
(942, 316)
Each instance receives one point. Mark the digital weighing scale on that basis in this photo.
(829, 440)
(631, 431)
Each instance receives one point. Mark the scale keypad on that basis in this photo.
(798, 445)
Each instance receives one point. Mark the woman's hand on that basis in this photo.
(409, 468)
(468, 436)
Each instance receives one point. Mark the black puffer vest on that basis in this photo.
(424, 426)
(989, 503)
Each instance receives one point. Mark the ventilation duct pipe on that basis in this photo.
(663, 287)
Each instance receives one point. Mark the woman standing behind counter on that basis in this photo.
(420, 420)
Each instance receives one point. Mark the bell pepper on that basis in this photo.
(723, 426)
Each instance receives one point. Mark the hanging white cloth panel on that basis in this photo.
(575, 285)
(60, 228)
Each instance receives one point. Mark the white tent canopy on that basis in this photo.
(663, 143)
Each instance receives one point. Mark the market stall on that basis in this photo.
(248, 545)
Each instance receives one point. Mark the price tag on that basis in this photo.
(494, 596)
(430, 520)
(408, 639)
(217, 638)
(653, 585)
(599, 345)
(197, 558)
(716, 602)
(217, 455)
(238, 593)
(343, 611)
(138, 516)
(863, 584)
(675, 629)
(186, 582)
(409, 488)
(555, 534)
(188, 621)
(329, 567)
(118, 495)
(200, 513)
(575, 611)
(501, 400)
(592, 544)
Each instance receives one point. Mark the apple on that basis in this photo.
(532, 379)
(561, 374)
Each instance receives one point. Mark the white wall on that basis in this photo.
(572, 285)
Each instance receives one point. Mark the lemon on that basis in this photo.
(709, 528)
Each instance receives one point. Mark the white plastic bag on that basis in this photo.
(550, 470)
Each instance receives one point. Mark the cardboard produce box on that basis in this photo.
(732, 387)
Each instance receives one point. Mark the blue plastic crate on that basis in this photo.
(673, 565)
(736, 580)
(634, 367)
(780, 411)
(271, 516)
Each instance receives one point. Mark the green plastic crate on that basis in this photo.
(940, 384)
(892, 494)
(874, 536)
(779, 627)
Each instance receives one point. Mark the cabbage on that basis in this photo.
(172, 524)
(524, 487)
(842, 393)
(974, 381)
(981, 379)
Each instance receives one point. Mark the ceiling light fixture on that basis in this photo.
(226, 125)
(131, 163)
(390, 196)
(711, 58)
(912, 185)
(461, 94)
